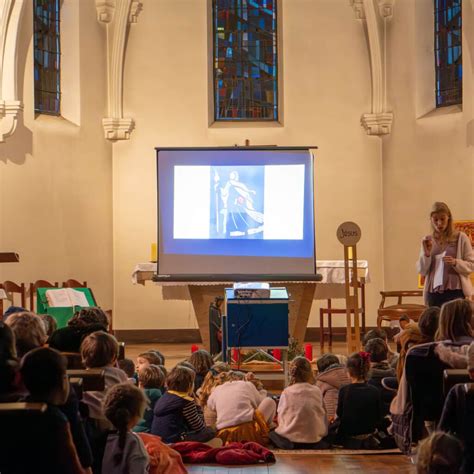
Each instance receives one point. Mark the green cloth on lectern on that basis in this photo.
(61, 314)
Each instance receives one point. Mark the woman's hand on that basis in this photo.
(449, 261)
(427, 245)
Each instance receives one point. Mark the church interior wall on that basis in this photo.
(326, 79)
(56, 176)
(75, 205)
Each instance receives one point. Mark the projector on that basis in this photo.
(250, 290)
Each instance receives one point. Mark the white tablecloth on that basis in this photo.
(331, 286)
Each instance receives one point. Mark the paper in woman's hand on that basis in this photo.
(439, 270)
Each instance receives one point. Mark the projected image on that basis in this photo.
(237, 202)
(255, 202)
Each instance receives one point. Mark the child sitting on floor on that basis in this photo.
(10, 384)
(176, 416)
(125, 452)
(145, 359)
(440, 453)
(99, 350)
(202, 361)
(43, 371)
(380, 369)
(359, 408)
(150, 380)
(302, 421)
(128, 366)
(458, 413)
(392, 357)
(243, 413)
(332, 376)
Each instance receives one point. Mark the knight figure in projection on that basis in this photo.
(237, 207)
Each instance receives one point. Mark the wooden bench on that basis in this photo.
(452, 377)
(93, 380)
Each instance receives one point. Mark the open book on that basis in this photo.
(66, 297)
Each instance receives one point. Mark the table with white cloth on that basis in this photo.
(302, 294)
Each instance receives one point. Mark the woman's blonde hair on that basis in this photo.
(455, 320)
(301, 371)
(450, 233)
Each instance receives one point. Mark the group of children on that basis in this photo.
(143, 408)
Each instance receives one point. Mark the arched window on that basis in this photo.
(245, 60)
(448, 52)
(47, 56)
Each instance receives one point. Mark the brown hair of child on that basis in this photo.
(7, 342)
(128, 366)
(358, 366)
(151, 377)
(88, 316)
(50, 324)
(455, 320)
(151, 356)
(440, 453)
(28, 330)
(164, 370)
(123, 404)
(378, 350)
(188, 365)
(180, 379)
(99, 349)
(160, 355)
(301, 371)
(202, 361)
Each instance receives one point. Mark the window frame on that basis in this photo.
(277, 103)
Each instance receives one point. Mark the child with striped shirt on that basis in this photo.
(176, 416)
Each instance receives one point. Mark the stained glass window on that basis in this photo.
(245, 60)
(47, 56)
(448, 52)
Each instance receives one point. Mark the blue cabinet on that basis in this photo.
(257, 323)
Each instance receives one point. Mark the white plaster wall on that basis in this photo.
(429, 155)
(56, 177)
(326, 77)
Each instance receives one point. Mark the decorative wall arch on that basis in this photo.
(10, 105)
(374, 15)
(117, 15)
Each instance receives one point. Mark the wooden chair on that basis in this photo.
(93, 380)
(330, 311)
(13, 288)
(76, 384)
(74, 360)
(39, 284)
(393, 312)
(32, 449)
(121, 353)
(74, 284)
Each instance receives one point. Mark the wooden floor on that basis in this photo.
(289, 464)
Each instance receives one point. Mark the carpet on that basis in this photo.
(335, 451)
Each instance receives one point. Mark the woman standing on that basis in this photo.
(446, 259)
